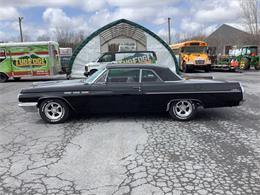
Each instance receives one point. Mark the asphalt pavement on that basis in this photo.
(216, 153)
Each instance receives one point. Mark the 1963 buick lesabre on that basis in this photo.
(129, 88)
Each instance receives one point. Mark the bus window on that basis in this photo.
(2, 55)
(194, 49)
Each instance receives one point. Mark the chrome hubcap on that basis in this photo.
(183, 108)
(53, 110)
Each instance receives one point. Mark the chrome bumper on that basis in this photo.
(29, 106)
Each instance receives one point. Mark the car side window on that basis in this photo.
(123, 76)
(149, 76)
(102, 78)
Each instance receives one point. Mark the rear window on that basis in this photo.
(149, 76)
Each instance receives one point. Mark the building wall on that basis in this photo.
(226, 36)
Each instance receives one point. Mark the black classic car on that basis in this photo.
(129, 88)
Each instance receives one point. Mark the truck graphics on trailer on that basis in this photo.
(29, 59)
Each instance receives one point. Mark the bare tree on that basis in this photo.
(250, 10)
(69, 38)
(43, 38)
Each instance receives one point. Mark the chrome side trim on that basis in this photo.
(242, 88)
(29, 106)
(140, 75)
(181, 92)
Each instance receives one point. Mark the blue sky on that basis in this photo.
(42, 17)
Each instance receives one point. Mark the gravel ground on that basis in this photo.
(216, 153)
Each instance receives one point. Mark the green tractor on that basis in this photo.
(248, 58)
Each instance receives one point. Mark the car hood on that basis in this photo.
(57, 83)
(55, 86)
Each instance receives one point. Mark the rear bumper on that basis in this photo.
(29, 106)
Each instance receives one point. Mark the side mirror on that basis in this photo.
(86, 74)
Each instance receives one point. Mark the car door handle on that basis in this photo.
(137, 87)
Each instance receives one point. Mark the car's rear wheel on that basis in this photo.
(182, 110)
(3, 77)
(54, 111)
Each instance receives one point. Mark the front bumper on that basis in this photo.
(29, 106)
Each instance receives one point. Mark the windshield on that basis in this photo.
(92, 77)
(194, 49)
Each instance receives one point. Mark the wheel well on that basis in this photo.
(4, 74)
(196, 101)
(59, 98)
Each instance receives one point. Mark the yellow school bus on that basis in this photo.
(192, 55)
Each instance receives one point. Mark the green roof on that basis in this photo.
(96, 33)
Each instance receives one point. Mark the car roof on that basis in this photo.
(164, 72)
(151, 66)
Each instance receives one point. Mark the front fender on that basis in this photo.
(41, 99)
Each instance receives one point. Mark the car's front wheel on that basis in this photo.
(182, 110)
(3, 77)
(54, 111)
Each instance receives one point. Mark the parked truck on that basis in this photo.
(29, 59)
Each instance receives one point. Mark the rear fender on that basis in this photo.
(196, 101)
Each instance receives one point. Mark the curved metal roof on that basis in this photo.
(123, 29)
(110, 26)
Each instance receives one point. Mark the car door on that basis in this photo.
(153, 98)
(121, 92)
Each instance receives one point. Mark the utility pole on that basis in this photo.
(169, 31)
(20, 25)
